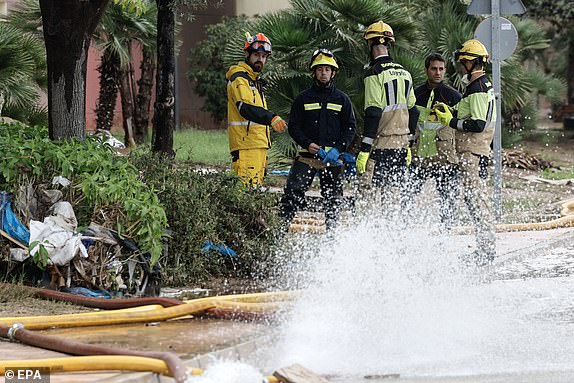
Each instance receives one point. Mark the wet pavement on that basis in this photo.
(202, 342)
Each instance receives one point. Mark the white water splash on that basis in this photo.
(382, 299)
(229, 372)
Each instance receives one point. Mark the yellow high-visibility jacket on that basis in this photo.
(476, 118)
(388, 97)
(244, 90)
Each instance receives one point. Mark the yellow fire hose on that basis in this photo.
(566, 220)
(316, 226)
(93, 363)
(244, 303)
(101, 363)
(261, 302)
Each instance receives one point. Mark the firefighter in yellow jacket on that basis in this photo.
(248, 119)
(474, 118)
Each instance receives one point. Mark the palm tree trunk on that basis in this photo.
(570, 72)
(109, 74)
(164, 116)
(68, 26)
(143, 99)
(127, 108)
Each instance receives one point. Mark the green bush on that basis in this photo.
(101, 182)
(213, 207)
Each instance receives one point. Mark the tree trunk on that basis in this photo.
(109, 74)
(143, 99)
(127, 108)
(68, 26)
(164, 109)
(570, 72)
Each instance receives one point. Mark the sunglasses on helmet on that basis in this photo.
(322, 51)
(261, 46)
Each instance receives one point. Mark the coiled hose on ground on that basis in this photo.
(17, 332)
(17, 329)
(248, 303)
(103, 303)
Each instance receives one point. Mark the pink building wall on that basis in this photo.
(92, 90)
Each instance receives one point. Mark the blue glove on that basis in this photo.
(332, 157)
(322, 153)
(350, 165)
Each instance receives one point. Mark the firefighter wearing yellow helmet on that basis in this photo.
(248, 120)
(390, 115)
(322, 123)
(474, 119)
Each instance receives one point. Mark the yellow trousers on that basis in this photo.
(251, 166)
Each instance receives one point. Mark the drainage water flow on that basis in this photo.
(379, 299)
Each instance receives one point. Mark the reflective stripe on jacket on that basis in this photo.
(388, 96)
(244, 87)
(477, 103)
(323, 116)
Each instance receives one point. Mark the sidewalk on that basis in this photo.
(203, 342)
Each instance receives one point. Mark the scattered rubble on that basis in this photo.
(519, 159)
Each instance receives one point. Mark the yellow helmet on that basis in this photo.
(381, 30)
(323, 56)
(472, 50)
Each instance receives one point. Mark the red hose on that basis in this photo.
(103, 303)
(175, 365)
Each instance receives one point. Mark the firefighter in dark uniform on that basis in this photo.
(390, 115)
(434, 151)
(322, 123)
(474, 118)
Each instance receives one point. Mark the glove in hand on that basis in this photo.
(322, 153)
(332, 157)
(443, 113)
(362, 162)
(278, 124)
(350, 165)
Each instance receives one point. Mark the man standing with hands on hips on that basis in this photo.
(248, 119)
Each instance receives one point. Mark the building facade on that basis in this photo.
(189, 104)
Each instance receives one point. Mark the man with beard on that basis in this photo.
(322, 123)
(434, 148)
(248, 119)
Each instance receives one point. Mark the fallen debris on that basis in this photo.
(519, 159)
(298, 374)
(533, 178)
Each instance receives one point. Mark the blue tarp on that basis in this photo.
(9, 223)
(221, 249)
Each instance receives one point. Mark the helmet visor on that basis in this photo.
(261, 46)
(321, 51)
(458, 55)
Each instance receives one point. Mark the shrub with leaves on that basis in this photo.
(101, 182)
(216, 208)
(207, 70)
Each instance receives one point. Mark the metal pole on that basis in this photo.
(495, 55)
